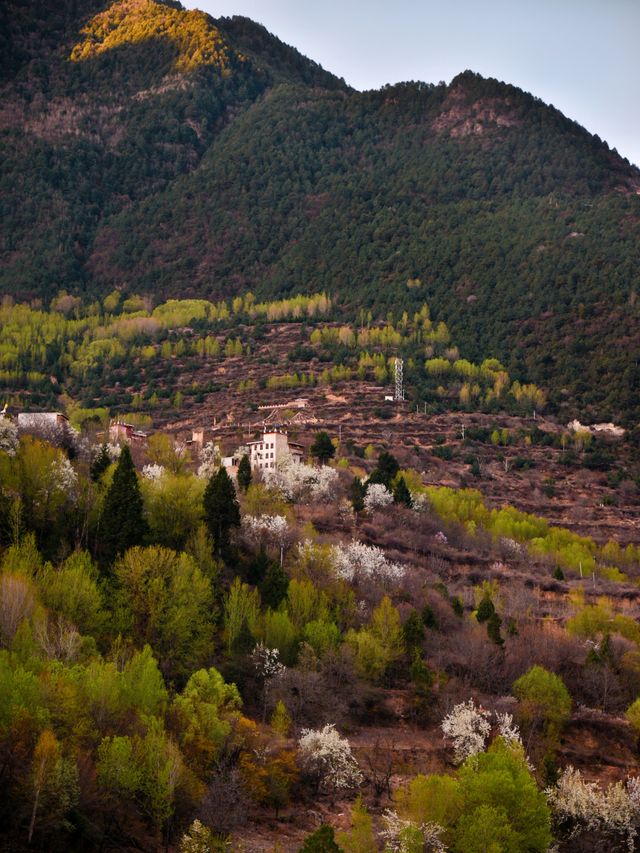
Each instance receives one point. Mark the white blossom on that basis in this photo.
(8, 436)
(114, 451)
(508, 730)
(266, 661)
(378, 496)
(152, 471)
(272, 529)
(327, 757)
(587, 807)
(359, 562)
(210, 460)
(468, 727)
(420, 502)
(441, 537)
(66, 479)
(299, 482)
(399, 835)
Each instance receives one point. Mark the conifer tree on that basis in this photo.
(385, 470)
(322, 448)
(401, 493)
(357, 493)
(123, 524)
(100, 463)
(221, 510)
(244, 473)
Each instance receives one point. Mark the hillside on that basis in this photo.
(155, 150)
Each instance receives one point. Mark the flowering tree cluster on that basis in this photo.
(210, 459)
(580, 806)
(266, 661)
(299, 482)
(357, 562)
(404, 836)
(327, 759)
(377, 497)
(152, 472)
(263, 530)
(468, 727)
(65, 477)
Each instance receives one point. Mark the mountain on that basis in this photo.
(158, 150)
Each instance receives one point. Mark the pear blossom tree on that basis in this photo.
(377, 497)
(302, 483)
(468, 728)
(358, 563)
(579, 806)
(327, 759)
(267, 530)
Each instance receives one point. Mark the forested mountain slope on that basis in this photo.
(161, 151)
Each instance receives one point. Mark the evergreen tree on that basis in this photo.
(100, 463)
(275, 585)
(322, 448)
(401, 493)
(221, 510)
(244, 473)
(321, 841)
(357, 491)
(123, 524)
(385, 470)
(486, 609)
(413, 631)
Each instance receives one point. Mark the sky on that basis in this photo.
(582, 56)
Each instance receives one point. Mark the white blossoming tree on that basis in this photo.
(153, 471)
(358, 563)
(326, 758)
(302, 483)
(404, 836)
(267, 665)
(267, 530)
(580, 807)
(377, 497)
(210, 460)
(468, 728)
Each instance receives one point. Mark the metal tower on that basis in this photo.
(399, 379)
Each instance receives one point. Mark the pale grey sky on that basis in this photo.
(582, 56)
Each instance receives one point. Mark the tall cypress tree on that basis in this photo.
(123, 524)
(221, 510)
(244, 473)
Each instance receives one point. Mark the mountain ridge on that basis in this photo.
(273, 175)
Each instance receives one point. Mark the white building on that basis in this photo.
(271, 448)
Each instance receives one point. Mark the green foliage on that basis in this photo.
(492, 804)
(360, 838)
(274, 587)
(323, 448)
(123, 524)
(163, 599)
(73, 591)
(543, 697)
(221, 510)
(321, 841)
(244, 473)
(385, 470)
(401, 493)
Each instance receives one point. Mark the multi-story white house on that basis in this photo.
(271, 448)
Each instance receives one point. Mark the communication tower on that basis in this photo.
(399, 366)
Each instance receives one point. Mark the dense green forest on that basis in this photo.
(159, 151)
